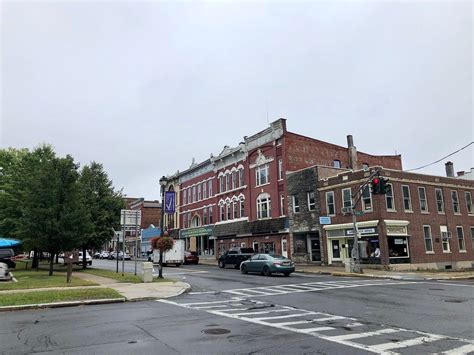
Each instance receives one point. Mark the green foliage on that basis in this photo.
(163, 244)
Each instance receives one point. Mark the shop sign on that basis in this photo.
(197, 232)
(361, 231)
(397, 230)
(324, 220)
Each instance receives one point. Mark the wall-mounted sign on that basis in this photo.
(361, 231)
(197, 232)
(324, 220)
(170, 199)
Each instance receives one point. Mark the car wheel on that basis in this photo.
(244, 269)
(266, 271)
(221, 264)
(178, 265)
(286, 274)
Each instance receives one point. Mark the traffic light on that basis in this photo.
(384, 186)
(376, 184)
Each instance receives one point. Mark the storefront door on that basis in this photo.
(315, 250)
(336, 249)
(284, 248)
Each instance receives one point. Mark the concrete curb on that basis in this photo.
(186, 289)
(62, 304)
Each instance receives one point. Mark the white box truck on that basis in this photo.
(174, 256)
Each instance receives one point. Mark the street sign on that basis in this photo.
(324, 220)
(130, 217)
(359, 213)
(170, 202)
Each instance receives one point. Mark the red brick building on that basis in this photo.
(423, 222)
(240, 198)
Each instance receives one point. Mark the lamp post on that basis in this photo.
(162, 229)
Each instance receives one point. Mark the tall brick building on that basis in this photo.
(240, 196)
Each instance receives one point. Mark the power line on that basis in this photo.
(447, 156)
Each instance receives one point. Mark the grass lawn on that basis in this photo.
(28, 279)
(34, 297)
(127, 277)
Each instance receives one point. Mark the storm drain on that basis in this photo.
(216, 331)
(454, 300)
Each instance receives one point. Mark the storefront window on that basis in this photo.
(300, 244)
(397, 247)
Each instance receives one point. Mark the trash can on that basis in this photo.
(348, 265)
(147, 272)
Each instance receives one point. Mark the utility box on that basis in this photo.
(147, 272)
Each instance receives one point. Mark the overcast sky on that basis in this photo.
(143, 87)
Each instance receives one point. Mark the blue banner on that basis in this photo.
(170, 201)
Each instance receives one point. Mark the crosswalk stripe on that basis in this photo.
(285, 316)
(260, 312)
(317, 329)
(364, 335)
(332, 318)
(406, 343)
(465, 349)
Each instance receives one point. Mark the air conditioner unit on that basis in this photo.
(346, 210)
(445, 235)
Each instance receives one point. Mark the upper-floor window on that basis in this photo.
(282, 205)
(428, 239)
(311, 201)
(264, 206)
(406, 198)
(439, 200)
(204, 216)
(445, 239)
(262, 172)
(469, 205)
(204, 190)
(242, 207)
(235, 209)
(189, 219)
(280, 169)
(472, 238)
(199, 192)
(210, 215)
(185, 220)
(241, 177)
(209, 187)
(194, 193)
(189, 196)
(196, 222)
(461, 243)
(227, 182)
(365, 166)
(389, 200)
(221, 184)
(423, 201)
(296, 203)
(336, 163)
(330, 203)
(455, 201)
(184, 197)
(222, 212)
(234, 180)
(366, 199)
(346, 198)
(227, 210)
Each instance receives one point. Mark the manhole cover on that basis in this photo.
(216, 331)
(455, 301)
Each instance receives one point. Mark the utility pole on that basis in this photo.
(136, 240)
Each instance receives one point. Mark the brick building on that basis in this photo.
(151, 216)
(240, 196)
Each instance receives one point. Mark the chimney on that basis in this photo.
(352, 152)
(460, 173)
(449, 169)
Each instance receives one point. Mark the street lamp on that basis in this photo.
(163, 183)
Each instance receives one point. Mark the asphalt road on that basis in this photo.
(231, 313)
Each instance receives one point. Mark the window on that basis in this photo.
(262, 174)
(221, 184)
(199, 192)
(184, 197)
(204, 190)
(423, 202)
(455, 201)
(330, 205)
(264, 206)
(336, 163)
(282, 205)
(460, 233)
(241, 177)
(397, 247)
(185, 221)
(189, 196)
(222, 213)
(311, 201)
(389, 200)
(210, 215)
(235, 209)
(280, 169)
(365, 166)
(366, 199)
(194, 193)
(204, 216)
(428, 239)
(472, 238)
(189, 219)
(234, 180)
(469, 206)
(346, 198)
(209, 184)
(242, 207)
(406, 198)
(445, 239)
(296, 203)
(300, 244)
(439, 200)
(227, 182)
(228, 211)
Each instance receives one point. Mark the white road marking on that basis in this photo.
(407, 343)
(318, 329)
(364, 335)
(202, 293)
(260, 312)
(466, 349)
(286, 316)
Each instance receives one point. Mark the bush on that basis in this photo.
(162, 243)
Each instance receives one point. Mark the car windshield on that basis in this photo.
(280, 257)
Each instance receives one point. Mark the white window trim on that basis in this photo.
(342, 196)
(394, 209)
(427, 210)
(471, 212)
(282, 205)
(445, 229)
(268, 203)
(309, 204)
(280, 169)
(294, 205)
(333, 202)
(257, 173)
(463, 238)
(431, 237)
(371, 200)
(452, 202)
(409, 199)
(442, 201)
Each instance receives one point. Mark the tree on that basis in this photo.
(104, 205)
(163, 244)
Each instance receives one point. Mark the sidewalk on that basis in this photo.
(374, 273)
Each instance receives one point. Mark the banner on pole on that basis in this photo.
(170, 201)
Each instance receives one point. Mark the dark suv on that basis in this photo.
(7, 256)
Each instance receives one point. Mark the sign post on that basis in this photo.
(70, 257)
(131, 220)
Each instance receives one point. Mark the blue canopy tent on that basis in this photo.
(9, 243)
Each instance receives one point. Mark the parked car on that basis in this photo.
(7, 256)
(4, 272)
(104, 255)
(267, 264)
(97, 255)
(235, 257)
(124, 256)
(191, 257)
(88, 258)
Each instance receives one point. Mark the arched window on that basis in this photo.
(242, 205)
(196, 221)
(235, 208)
(264, 206)
(221, 210)
(227, 208)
